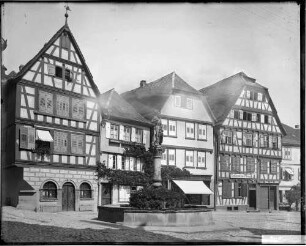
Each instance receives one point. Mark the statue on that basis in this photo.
(158, 132)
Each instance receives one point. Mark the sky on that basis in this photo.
(203, 43)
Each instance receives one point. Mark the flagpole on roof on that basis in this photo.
(66, 14)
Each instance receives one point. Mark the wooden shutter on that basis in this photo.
(23, 139)
(119, 162)
(121, 132)
(81, 144)
(138, 164)
(244, 190)
(107, 130)
(110, 161)
(74, 143)
(226, 189)
(51, 69)
(133, 135)
(279, 142)
(261, 140)
(240, 114)
(236, 195)
(31, 138)
(270, 141)
(262, 118)
(144, 137)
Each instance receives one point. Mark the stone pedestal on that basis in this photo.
(157, 166)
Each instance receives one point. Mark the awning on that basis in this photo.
(43, 136)
(289, 171)
(193, 187)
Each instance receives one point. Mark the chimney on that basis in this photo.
(297, 126)
(143, 83)
(20, 67)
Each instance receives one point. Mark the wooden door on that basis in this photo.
(68, 197)
(272, 196)
(252, 199)
(106, 194)
(264, 197)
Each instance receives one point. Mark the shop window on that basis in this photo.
(49, 191)
(226, 189)
(85, 191)
(124, 193)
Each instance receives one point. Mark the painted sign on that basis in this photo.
(240, 176)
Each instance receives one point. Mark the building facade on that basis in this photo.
(122, 126)
(248, 137)
(187, 128)
(291, 163)
(51, 133)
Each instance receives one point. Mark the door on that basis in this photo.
(252, 199)
(68, 197)
(272, 196)
(106, 196)
(264, 197)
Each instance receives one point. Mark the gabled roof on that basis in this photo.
(31, 62)
(222, 95)
(149, 99)
(293, 137)
(116, 108)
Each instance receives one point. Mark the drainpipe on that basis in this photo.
(216, 145)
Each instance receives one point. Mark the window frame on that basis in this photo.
(165, 131)
(187, 156)
(125, 133)
(287, 149)
(49, 191)
(170, 133)
(191, 135)
(204, 153)
(83, 192)
(177, 101)
(168, 157)
(204, 138)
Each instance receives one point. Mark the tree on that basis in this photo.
(294, 195)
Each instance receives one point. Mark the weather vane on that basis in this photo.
(66, 14)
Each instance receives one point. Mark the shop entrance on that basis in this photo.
(252, 199)
(106, 194)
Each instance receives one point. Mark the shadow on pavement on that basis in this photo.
(19, 232)
(270, 232)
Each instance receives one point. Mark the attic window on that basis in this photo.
(59, 73)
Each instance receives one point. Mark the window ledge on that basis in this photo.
(48, 200)
(58, 116)
(190, 138)
(86, 199)
(199, 139)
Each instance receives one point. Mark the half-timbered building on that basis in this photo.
(187, 132)
(248, 137)
(51, 130)
(122, 126)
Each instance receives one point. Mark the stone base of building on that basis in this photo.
(25, 189)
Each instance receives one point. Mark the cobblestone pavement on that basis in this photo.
(81, 227)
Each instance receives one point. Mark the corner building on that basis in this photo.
(51, 106)
(248, 137)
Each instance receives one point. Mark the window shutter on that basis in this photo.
(144, 137)
(119, 161)
(74, 143)
(23, 139)
(279, 142)
(236, 195)
(138, 164)
(31, 138)
(107, 130)
(121, 134)
(244, 138)
(110, 161)
(131, 163)
(270, 142)
(51, 69)
(226, 189)
(244, 190)
(240, 114)
(262, 118)
(280, 173)
(133, 137)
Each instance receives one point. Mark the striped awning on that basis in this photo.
(193, 187)
(43, 136)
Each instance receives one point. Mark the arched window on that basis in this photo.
(49, 190)
(85, 190)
